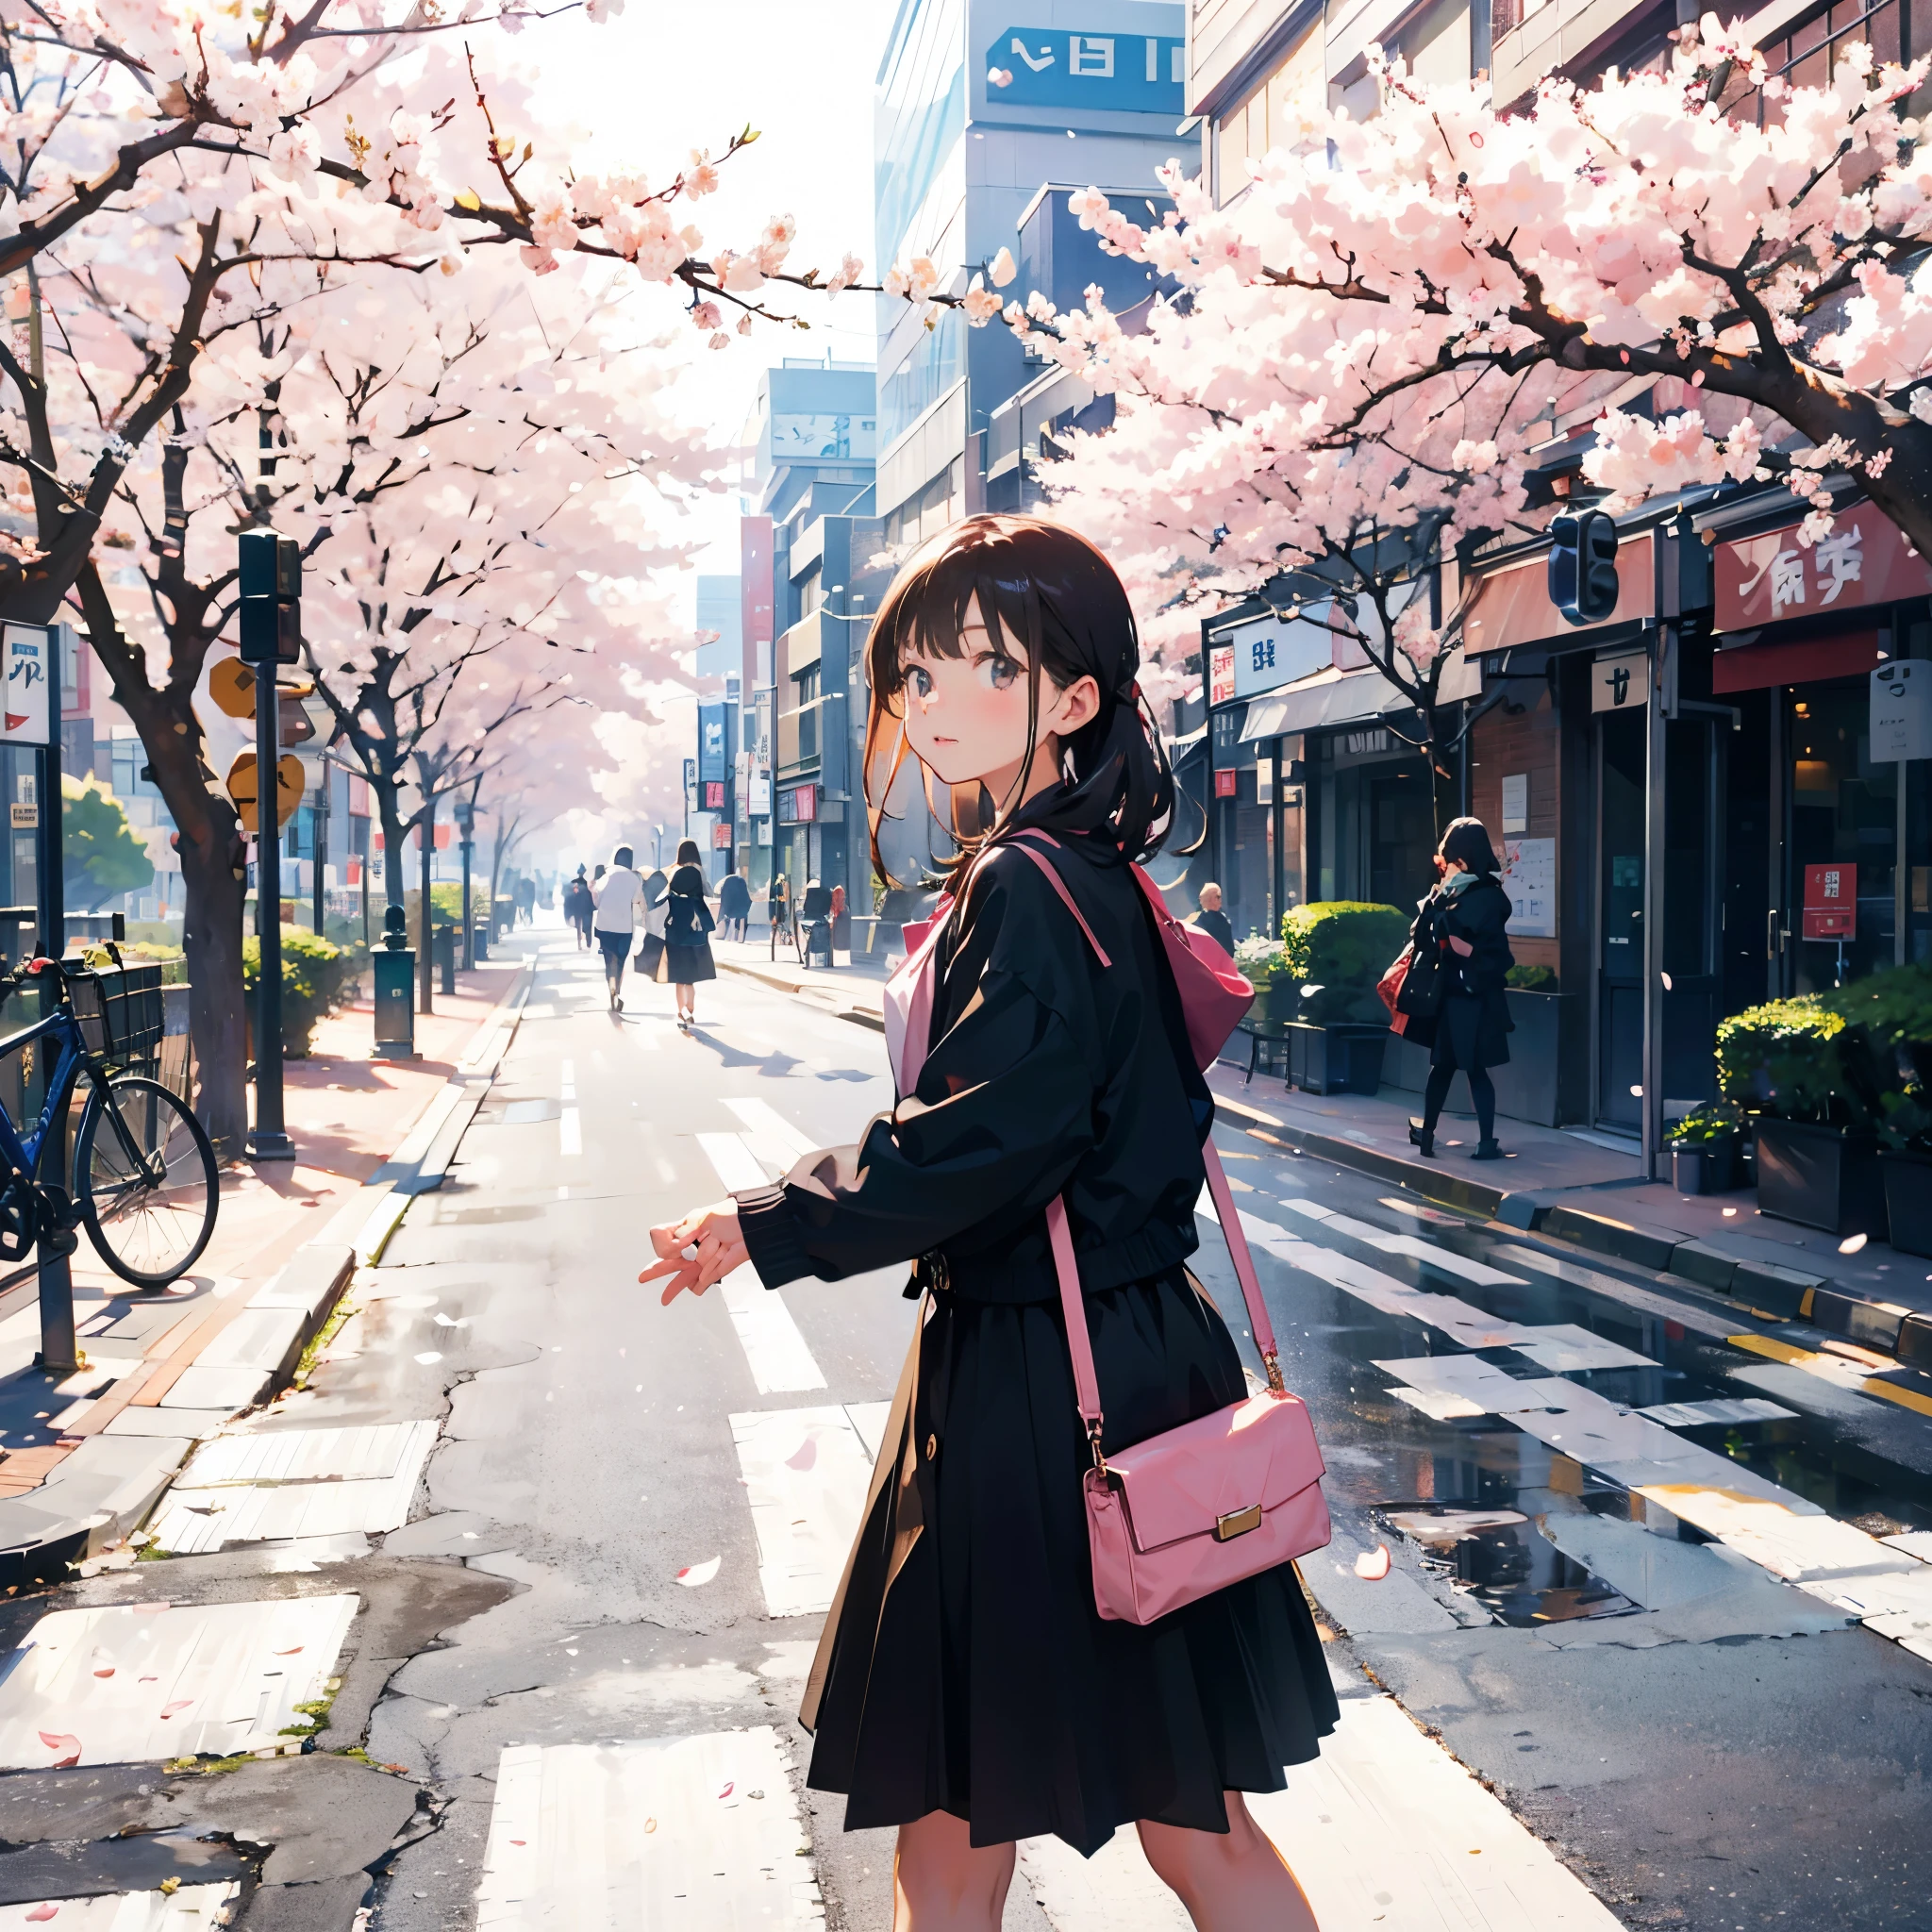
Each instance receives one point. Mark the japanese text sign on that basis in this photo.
(1116, 73)
(1221, 673)
(1831, 901)
(1863, 560)
(1902, 710)
(29, 715)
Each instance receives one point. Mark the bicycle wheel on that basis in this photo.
(145, 1181)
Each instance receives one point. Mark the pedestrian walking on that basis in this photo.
(1465, 919)
(687, 922)
(1212, 920)
(620, 900)
(778, 910)
(579, 908)
(734, 904)
(967, 1688)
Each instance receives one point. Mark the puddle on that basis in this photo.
(1499, 1560)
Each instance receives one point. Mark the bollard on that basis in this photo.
(480, 932)
(395, 991)
(446, 958)
(59, 1352)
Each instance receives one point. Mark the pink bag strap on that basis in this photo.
(1074, 1303)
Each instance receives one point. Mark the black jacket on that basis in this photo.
(687, 918)
(1046, 1071)
(1480, 916)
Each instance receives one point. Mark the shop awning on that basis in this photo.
(1333, 698)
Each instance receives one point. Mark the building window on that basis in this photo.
(1808, 54)
(1269, 115)
(810, 591)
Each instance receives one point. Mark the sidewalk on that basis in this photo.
(1587, 1189)
(83, 1457)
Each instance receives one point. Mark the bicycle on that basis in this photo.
(143, 1181)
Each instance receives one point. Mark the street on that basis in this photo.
(575, 1670)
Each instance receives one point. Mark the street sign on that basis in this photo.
(231, 684)
(1902, 710)
(1831, 902)
(1108, 72)
(27, 718)
(245, 793)
(1621, 683)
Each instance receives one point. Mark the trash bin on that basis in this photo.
(445, 956)
(818, 942)
(479, 935)
(395, 991)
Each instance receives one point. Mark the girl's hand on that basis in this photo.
(700, 1249)
(1462, 948)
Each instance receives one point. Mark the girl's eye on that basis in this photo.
(1000, 672)
(919, 681)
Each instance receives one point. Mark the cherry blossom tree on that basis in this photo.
(1368, 349)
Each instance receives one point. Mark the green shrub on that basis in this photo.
(1341, 947)
(1260, 959)
(1798, 1060)
(1892, 1010)
(1717, 1120)
(1531, 978)
(317, 979)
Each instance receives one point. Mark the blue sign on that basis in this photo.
(713, 764)
(1110, 73)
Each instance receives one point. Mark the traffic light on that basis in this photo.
(271, 598)
(1583, 566)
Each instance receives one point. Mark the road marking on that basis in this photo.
(282, 1483)
(121, 1684)
(765, 1120)
(775, 1350)
(1448, 1851)
(806, 1473)
(701, 1832)
(781, 1364)
(193, 1908)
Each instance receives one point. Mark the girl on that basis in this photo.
(965, 1689)
(1466, 915)
(687, 924)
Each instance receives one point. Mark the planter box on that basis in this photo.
(1909, 1200)
(1707, 1169)
(1343, 1058)
(1820, 1177)
(1526, 1086)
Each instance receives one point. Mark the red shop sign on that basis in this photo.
(1831, 902)
(1863, 560)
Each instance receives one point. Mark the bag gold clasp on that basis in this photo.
(1236, 1523)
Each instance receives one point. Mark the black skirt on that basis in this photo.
(688, 965)
(983, 1682)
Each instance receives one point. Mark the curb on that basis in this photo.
(109, 1482)
(859, 1016)
(1761, 1288)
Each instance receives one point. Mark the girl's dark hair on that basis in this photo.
(1055, 594)
(688, 851)
(1469, 841)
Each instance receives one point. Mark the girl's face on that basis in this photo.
(966, 716)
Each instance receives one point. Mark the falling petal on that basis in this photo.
(1372, 1565)
(694, 1574)
(728, 1791)
(294, 1651)
(805, 1454)
(650, 1825)
(524, 1840)
(60, 1740)
(175, 1709)
(40, 1914)
(148, 1680)
(428, 1358)
(1851, 1244)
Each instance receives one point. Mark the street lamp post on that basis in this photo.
(271, 578)
(466, 829)
(319, 857)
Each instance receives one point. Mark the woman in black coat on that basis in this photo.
(966, 1689)
(688, 924)
(1465, 918)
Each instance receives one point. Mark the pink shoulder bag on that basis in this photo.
(1230, 1494)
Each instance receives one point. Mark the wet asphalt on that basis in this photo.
(1725, 1778)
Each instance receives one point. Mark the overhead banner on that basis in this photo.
(27, 718)
(1863, 559)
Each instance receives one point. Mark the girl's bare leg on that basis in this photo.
(1230, 1882)
(942, 1883)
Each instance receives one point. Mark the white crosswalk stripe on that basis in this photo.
(780, 1362)
(699, 1831)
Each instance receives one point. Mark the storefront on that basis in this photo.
(1801, 633)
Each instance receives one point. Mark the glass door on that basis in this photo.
(1620, 950)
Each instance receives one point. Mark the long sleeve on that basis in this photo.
(1002, 1116)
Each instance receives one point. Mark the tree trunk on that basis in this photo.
(394, 880)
